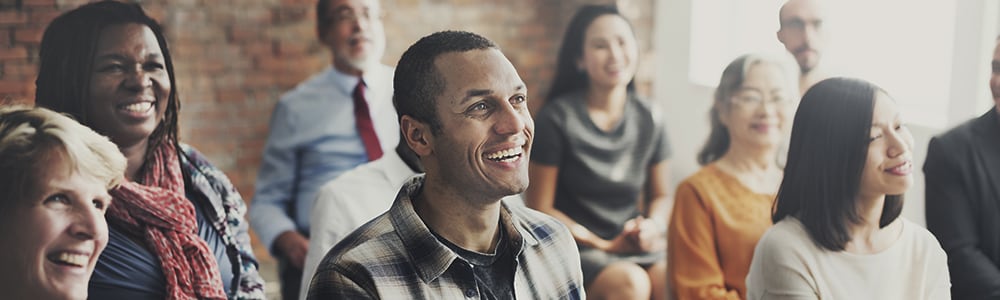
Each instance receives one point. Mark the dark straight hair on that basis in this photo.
(826, 157)
(67, 62)
(568, 77)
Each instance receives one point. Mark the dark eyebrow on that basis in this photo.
(469, 95)
(118, 56)
(342, 7)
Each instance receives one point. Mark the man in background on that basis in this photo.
(332, 122)
(962, 182)
(803, 35)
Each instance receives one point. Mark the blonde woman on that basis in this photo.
(55, 174)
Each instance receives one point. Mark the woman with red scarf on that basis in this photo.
(176, 226)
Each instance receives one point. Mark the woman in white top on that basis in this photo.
(837, 232)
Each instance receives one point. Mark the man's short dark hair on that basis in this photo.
(417, 83)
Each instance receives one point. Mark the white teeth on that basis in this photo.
(506, 155)
(901, 168)
(73, 259)
(138, 107)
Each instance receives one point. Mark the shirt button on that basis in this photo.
(470, 293)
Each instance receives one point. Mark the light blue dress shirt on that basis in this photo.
(313, 139)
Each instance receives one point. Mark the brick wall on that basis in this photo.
(233, 58)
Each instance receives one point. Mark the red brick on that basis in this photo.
(14, 87)
(31, 36)
(290, 14)
(43, 16)
(298, 2)
(12, 17)
(258, 79)
(287, 48)
(157, 12)
(19, 69)
(241, 33)
(271, 64)
(39, 3)
(221, 16)
(17, 53)
(260, 49)
(252, 15)
(229, 80)
(230, 95)
(187, 50)
(287, 82)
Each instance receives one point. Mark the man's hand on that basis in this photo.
(293, 246)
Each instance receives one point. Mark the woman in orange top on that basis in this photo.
(722, 210)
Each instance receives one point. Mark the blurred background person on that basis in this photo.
(599, 163)
(838, 233)
(963, 198)
(722, 210)
(55, 174)
(801, 31)
(176, 227)
(353, 199)
(330, 123)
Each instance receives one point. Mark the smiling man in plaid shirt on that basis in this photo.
(463, 109)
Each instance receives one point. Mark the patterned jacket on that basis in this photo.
(227, 215)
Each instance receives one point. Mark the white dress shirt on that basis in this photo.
(351, 200)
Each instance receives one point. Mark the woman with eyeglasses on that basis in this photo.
(721, 211)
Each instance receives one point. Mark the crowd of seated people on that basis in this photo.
(404, 182)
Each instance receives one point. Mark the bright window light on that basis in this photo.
(904, 46)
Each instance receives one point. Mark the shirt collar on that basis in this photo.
(430, 257)
(345, 82)
(395, 169)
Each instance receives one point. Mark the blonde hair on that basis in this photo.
(29, 136)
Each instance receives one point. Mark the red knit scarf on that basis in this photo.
(159, 212)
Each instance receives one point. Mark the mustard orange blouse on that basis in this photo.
(715, 225)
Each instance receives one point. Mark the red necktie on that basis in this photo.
(363, 119)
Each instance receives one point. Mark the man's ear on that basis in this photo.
(417, 134)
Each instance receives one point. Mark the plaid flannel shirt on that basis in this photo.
(395, 256)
